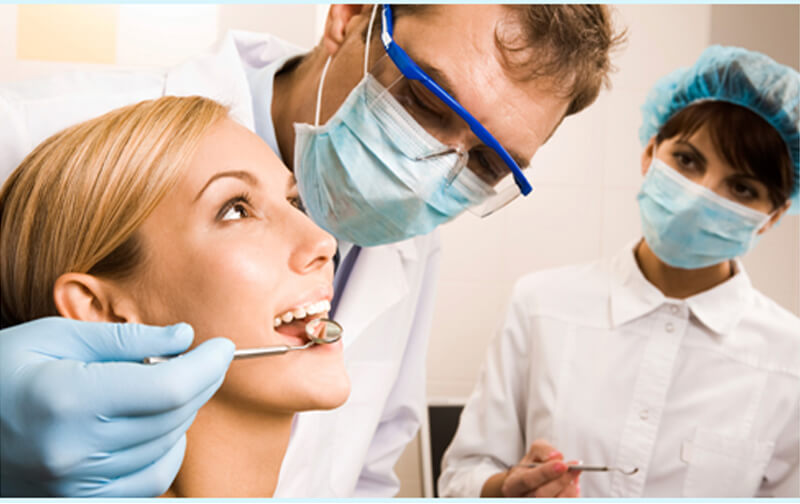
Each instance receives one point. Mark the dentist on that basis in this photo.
(399, 120)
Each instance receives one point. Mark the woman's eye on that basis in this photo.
(234, 209)
(684, 161)
(743, 191)
(296, 202)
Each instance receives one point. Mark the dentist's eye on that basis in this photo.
(235, 208)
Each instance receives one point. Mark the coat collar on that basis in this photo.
(632, 296)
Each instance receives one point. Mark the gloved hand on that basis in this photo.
(78, 421)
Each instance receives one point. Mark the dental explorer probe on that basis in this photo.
(591, 468)
(320, 331)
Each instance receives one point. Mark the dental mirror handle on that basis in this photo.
(244, 353)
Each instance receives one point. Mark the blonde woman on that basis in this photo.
(168, 211)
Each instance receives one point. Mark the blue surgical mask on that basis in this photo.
(689, 226)
(371, 175)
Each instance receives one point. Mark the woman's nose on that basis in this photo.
(314, 247)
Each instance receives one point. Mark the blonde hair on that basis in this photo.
(75, 202)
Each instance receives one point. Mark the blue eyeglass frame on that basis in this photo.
(412, 71)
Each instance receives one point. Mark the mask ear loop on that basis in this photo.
(328, 64)
(369, 38)
(319, 90)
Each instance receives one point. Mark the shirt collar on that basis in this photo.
(722, 307)
(632, 295)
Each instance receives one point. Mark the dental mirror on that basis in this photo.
(319, 331)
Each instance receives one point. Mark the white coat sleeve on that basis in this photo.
(404, 410)
(491, 432)
(33, 110)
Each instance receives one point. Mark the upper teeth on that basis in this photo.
(302, 312)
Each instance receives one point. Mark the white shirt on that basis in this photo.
(386, 307)
(701, 394)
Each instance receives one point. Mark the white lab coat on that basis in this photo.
(702, 395)
(385, 308)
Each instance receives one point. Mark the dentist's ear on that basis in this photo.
(85, 297)
(342, 19)
(647, 154)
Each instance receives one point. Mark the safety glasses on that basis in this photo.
(490, 162)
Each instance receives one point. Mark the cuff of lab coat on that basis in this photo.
(468, 482)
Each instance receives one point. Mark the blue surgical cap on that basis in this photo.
(735, 75)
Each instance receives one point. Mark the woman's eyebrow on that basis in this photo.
(694, 149)
(241, 175)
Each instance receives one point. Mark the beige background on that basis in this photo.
(586, 177)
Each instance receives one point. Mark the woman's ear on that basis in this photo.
(776, 216)
(338, 24)
(85, 297)
(647, 154)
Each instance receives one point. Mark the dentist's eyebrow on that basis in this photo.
(241, 175)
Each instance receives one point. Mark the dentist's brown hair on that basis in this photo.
(74, 204)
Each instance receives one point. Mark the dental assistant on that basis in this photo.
(398, 121)
(664, 358)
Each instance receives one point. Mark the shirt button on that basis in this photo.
(674, 309)
(644, 414)
(669, 327)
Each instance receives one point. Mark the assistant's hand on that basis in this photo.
(549, 479)
(77, 421)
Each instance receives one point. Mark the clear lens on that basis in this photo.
(484, 165)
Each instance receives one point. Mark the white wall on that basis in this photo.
(154, 35)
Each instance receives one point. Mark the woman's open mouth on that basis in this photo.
(292, 323)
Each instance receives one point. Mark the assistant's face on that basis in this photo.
(456, 45)
(228, 251)
(697, 159)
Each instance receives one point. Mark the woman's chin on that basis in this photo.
(333, 394)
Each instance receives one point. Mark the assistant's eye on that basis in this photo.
(686, 161)
(743, 191)
(235, 208)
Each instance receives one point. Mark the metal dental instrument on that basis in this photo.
(592, 468)
(320, 331)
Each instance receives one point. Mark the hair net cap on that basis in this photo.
(738, 76)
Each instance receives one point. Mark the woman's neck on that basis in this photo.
(232, 452)
(679, 283)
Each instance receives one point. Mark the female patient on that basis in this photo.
(665, 358)
(169, 211)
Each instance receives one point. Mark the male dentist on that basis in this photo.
(400, 119)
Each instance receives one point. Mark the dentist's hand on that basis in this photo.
(78, 421)
(549, 479)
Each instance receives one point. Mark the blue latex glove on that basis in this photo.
(78, 421)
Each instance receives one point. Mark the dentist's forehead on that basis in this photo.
(460, 43)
